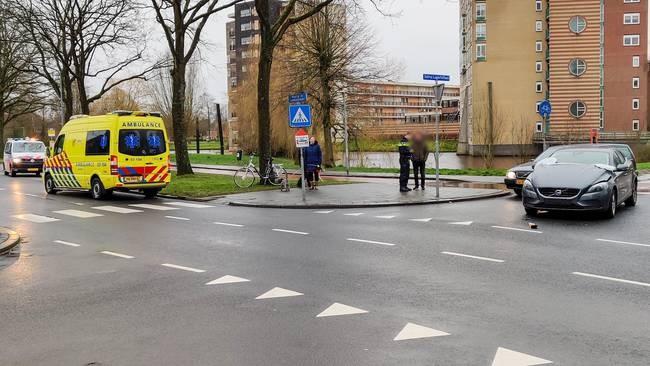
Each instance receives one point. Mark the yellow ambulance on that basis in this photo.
(119, 151)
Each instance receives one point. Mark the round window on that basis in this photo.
(577, 24)
(577, 109)
(577, 67)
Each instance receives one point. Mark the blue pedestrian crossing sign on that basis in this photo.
(299, 116)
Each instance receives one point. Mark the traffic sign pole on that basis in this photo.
(438, 92)
(302, 174)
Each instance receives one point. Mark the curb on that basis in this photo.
(184, 198)
(373, 205)
(10, 242)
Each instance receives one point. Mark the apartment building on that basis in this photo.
(392, 108)
(589, 58)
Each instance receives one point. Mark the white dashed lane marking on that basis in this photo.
(612, 279)
(116, 209)
(227, 279)
(324, 212)
(337, 309)
(516, 229)
(623, 242)
(119, 255)
(462, 223)
(189, 269)
(387, 217)
(78, 213)
(507, 357)
(290, 231)
(228, 224)
(178, 218)
(370, 242)
(354, 214)
(422, 220)
(153, 207)
(67, 243)
(35, 218)
(474, 257)
(278, 292)
(188, 204)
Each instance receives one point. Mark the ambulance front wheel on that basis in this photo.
(50, 188)
(97, 189)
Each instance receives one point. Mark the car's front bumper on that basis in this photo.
(27, 166)
(598, 201)
(516, 184)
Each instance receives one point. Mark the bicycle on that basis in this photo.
(275, 174)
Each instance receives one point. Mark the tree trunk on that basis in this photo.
(2, 131)
(183, 165)
(263, 103)
(67, 96)
(83, 96)
(326, 105)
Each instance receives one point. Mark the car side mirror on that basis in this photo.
(624, 167)
(48, 152)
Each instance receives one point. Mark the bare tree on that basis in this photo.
(21, 89)
(328, 53)
(182, 22)
(85, 42)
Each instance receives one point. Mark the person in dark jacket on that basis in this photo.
(404, 149)
(420, 154)
(313, 161)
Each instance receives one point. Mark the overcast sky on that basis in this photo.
(423, 38)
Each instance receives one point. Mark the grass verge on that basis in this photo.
(201, 185)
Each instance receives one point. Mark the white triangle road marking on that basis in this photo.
(465, 223)
(337, 309)
(227, 279)
(385, 217)
(414, 331)
(354, 214)
(422, 220)
(278, 292)
(506, 357)
(78, 213)
(35, 218)
(324, 212)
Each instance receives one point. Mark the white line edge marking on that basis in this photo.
(117, 254)
(612, 279)
(623, 242)
(228, 224)
(474, 257)
(516, 229)
(190, 269)
(67, 243)
(371, 242)
(290, 232)
(177, 218)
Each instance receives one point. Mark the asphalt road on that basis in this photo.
(129, 285)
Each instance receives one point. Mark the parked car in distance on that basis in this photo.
(516, 176)
(581, 179)
(23, 156)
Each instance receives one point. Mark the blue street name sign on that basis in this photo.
(436, 77)
(299, 116)
(545, 109)
(298, 98)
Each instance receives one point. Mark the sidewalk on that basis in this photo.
(8, 239)
(358, 195)
(329, 173)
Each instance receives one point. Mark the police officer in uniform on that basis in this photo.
(404, 162)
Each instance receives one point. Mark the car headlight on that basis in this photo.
(529, 186)
(598, 187)
(17, 160)
(511, 175)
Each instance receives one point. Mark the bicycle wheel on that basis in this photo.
(244, 178)
(278, 175)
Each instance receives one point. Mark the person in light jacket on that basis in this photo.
(313, 161)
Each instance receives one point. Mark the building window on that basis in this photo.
(538, 5)
(539, 26)
(577, 67)
(636, 83)
(631, 40)
(246, 40)
(538, 127)
(577, 24)
(245, 12)
(244, 68)
(635, 104)
(481, 51)
(245, 27)
(631, 1)
(481, 11)
(539, 87)
(577, 109)
(538, 66)
(635, 125)
(481, 31)
(631, 18)
(636, 61)
(538, 46)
